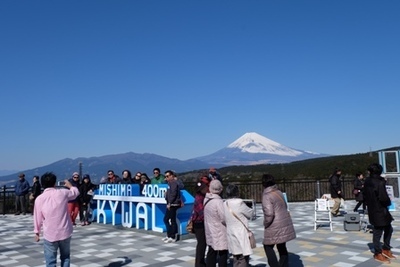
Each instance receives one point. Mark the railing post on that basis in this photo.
(4, 200)
(318, 189)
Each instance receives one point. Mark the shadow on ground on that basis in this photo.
(123, 261)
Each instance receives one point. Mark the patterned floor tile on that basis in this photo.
(99, 245)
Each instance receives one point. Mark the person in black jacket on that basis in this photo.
(173, 198)
(377, 201)
(358, 190)
(36, 191)
(336, 190)
(85, 196)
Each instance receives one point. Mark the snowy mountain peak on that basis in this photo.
(254, 143)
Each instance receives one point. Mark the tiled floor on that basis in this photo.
(104, 245)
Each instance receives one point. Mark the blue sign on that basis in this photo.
(124, 204)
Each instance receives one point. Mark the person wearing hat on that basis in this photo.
(21, 190)
(73, 205)
(214, 227)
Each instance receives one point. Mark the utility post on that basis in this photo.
(80, 169)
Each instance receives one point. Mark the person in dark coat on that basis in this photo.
(336, 190)
(358, 189)
(36, 191)
(377, 201)
(85, 196)
(173, 199)
(126, 177)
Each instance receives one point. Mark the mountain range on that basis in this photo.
(249, 149)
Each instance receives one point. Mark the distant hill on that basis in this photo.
(247, 158)
(7, 172)
(98, 166)
(249, 149)
(317, 168)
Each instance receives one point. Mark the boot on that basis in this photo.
(388, 254)
(381, 258)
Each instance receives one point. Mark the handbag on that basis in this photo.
(355, 192)
(252, 238)
(189, 226)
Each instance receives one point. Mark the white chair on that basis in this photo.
(323, 214)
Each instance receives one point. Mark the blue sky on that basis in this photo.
(184, 79)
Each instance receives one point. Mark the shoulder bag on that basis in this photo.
(252, 238)
(189, 225)
(274, 192)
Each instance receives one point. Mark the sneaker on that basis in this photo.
(381, 258)
(170, 240)
(388, 254)
(164, 238)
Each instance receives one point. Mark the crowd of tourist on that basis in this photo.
(220, 225)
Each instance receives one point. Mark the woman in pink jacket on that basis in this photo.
(278, 225)
(215, 227)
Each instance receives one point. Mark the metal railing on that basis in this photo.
(296, 191)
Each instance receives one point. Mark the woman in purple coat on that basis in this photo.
(278, 225)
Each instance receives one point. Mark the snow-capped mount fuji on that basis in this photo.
(253, 148)
(255, 143)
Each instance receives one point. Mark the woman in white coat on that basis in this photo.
(215, 227)
(238, 237)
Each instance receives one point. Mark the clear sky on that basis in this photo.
(184, 79)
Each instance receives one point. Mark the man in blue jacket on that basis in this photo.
(21, 190)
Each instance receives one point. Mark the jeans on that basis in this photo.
(20, 204)
(170, 222)
(50, 252)
(358, 205)
(376, 237)
(73, 210)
